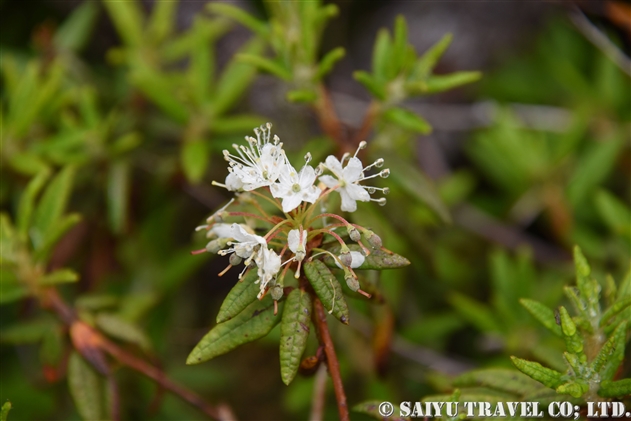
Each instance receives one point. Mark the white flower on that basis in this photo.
(243, 244)
(268, 263)
(357, 259)
(294, 188)
(347, 179)
(257, 165)
(297, 243)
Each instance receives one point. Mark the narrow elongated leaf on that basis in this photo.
(328, 61)
(4, 412)
(128, 20)
(546, 376)
(306, 96)
(615, 389)
(407, 120)
(119, 328)
(613, 212)
(256, 321)
(51, 350)
(381, 55)
(240, 296)
(502, 379)
(544, 314)
(608, 349)
(440, 83)
(162, 20)
(235, 79)
(270, 66)
(612, 363)
(377, 88)
(479, 315)
(294, 331)
(10, 288)
(327, 288)
(377, 259)
(61, 276)
(27, 203)
(118, 185)
(86, 388)
(76, 30)
(573, 340)
(27, 332)
(244, 18)
(236, 124)
(399, 44)
(428, 60)
(614, 310)
(53, 235)
(575, 388)
(159, 89)
(194, 157)
(54, 199)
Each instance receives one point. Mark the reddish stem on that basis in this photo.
(331, 358)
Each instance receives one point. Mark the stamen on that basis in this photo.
(200, 251)
(223, 272)
(361, 146)
(364, 293)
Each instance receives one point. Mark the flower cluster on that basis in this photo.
(260, 174)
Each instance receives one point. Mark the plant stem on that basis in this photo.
(327, 117)
(52, 300)
(331, 358)
(319, 395)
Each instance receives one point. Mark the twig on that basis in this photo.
(52, 300)
(600, 40)
(369, 120)
(319, 394)
(331, 358)
(328, 118)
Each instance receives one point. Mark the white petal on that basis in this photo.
(348, 204)
(353, 170)
(333, 164)
(329, 181)
(293, 240)
(233, 182)
(311, 194)
(306, 177)
(222, 230)
(357, 192)
(291, 202)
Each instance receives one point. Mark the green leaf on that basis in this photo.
(372, 408)
(75, 32)
(381, 55)
(615, 389)
(244, 18)
(119, 328)
(441, 83)
(273, 67)
(399, 44)
(546, 376)
(51, 350)
(27, 203)
(162, 20)
(86, 388)
(477, 314)
(618, 340)
(302, 95)
(418, 186)
(240, 296)
(294, 331)
(327, 288)
(10, 288)
(61, 276)
(377, 88)
(159, 89)
(4, 412)
(574, 388)
(128, 20)
(428, 60)
(502, 379)
(613, 212)
(53, 235)
(256, 321)
(235, 79)
(27, 163)
(543, 314)
(328, 61)
(118, 185)
(202, 65)
(236, 124)
(614, 310)
(407, 120)
(53, 202)
(573, 340)
(592, 168)
(26, 332)
(608, 349)
(588, 287)
(195, 157)
(377, 259)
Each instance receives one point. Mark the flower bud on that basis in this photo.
(373, 239)
(353, 233)
(277, 292)
(216, 245)
(351, 280)
(235, 260)
(345, 256)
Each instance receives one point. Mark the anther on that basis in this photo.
(385, 173)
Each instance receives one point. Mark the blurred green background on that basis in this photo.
(128, 107)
